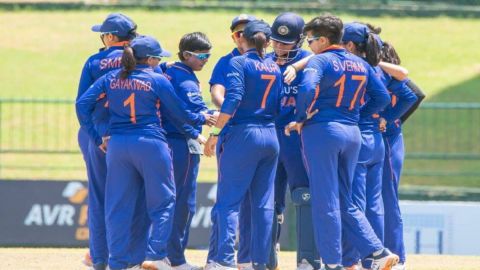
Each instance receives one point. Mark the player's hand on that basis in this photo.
(210, 145)
(104, 144)
(293, 126)
(289, 75)
(210, 119)
(201, 139)
(383, 125)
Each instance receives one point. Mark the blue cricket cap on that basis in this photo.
(287, 28)
(242, 18)
(117, 24)
(147, 46)
(256, 26)
(355, 32)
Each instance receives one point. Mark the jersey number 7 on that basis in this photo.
(271, 79)
(341, 83)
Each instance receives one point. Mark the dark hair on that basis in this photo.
(131, 35)
(196, 41)
(389, 54)
(129, 61)
(371, 49)
(258, 41)
(373, 29)
(328, 26)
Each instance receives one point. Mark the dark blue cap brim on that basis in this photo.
(165, 54)
(276, 38)
(96, 28)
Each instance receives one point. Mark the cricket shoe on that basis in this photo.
(187, 266)
(245, 266)
(353, 267)
(400, 266)
(209, 265)
(385, 261)
(163, 264)
(338, 267)
(304, 265)
(218, 266)
(135, 267)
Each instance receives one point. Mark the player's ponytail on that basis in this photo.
(258, 41)
(389, 54)
(373, 50)
(128, 62)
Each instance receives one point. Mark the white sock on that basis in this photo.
(332, 265)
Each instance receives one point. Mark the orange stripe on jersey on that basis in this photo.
(394, 100)
(332, 47)
(317, 92)
(121, 43)
(102, 95)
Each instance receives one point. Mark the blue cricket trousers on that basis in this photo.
(247, 158)
(331, 152)
(367, 189)
(394, 155)
(137, 163)
(185, 167)
(290, 169)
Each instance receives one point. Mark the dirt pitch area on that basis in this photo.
(70, 259)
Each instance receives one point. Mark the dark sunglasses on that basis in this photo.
(237, 34)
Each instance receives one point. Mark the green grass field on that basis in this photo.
(42, 55)
(69, 259)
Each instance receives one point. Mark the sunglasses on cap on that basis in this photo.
(154, 56)
(237, 34)
(200, 56)
(312, 39)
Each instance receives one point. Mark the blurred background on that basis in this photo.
(45, 44)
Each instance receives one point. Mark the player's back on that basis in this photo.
(256, 83)
(340, 80)
(133, 102)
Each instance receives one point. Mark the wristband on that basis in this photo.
(294, 68)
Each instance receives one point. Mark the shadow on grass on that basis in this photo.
(466, 91)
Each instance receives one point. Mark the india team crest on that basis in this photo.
(283, 30)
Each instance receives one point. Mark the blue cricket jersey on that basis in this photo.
(187, 88)
(289, 92)
(402, 99)
(253, 89)
(135, 104)
(219, 74)
(334, 82)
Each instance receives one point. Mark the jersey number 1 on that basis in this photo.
(341, 84)
(271, 80)
(131, 101)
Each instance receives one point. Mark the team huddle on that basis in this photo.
(325, 123)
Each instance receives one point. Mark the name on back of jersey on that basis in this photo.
(348, 65)
(111, 63)
(130, 84)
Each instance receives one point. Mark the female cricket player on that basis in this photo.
(287, 33)
(116, 31)
(394, 155)
(362, 41)
(248, 148)
(218, 83)
(333, 83)
(185, 140)
(138, 153)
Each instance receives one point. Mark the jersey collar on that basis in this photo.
(333, 48)
(182, 66)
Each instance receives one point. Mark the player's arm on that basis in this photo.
(291, 71)
(85, 106)
(379, 97)
(235, 93)
(174, 106)
(308, 92)
(420, 97)
(405, 100)
(218, 83)
(398, 72)
(86, 80)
